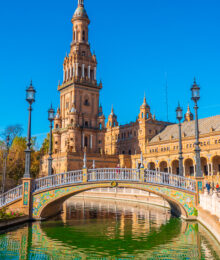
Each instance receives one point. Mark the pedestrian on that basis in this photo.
(217, 187)
(208, 186)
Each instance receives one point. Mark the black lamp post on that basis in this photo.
(179, 116)
(5, 156)
(51, 115)
(30, 97)
(195, 97)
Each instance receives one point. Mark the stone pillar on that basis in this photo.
(142, 174)
(77, 69)
(27, 196)
(85, 175)
(83, 70)
(89, 69)
(95, 73)
(91, 141)
(199, 187)
(71, 72)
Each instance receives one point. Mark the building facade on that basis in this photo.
(79, 125)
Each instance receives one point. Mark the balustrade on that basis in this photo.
(98, 175)
(58, 180)
(11, 196)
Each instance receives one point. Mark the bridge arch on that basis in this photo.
(48, 203)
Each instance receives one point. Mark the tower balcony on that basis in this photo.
(80, 80)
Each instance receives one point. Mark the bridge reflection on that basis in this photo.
(95, 228)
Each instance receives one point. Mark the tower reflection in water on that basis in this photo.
(103, 229)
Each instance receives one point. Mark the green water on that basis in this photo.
(98, 229)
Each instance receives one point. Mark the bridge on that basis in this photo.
(44, 197)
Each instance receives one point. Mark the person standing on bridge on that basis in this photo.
(208, 187)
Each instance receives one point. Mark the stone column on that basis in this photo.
(71, 72)
(95, 73)
(89, 69)
(83, 70)
(91, 141)
(77, 69)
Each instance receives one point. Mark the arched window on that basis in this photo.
(129, 152)
(100, 126)
(147, 115)
(110, 123)
(71, 121)
(142, 115)
(86, 124)
(57, 126)
(114, 124)
(84, 38)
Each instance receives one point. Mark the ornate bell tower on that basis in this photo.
(79, 116)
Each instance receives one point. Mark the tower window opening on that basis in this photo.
(100, 126)
(129, 152)
(86, 141)
(147, 116)
(57, 126)
(114, 124)
(71, 121)
(142, 115)
(86, 124)
(86, 103)
(84, 36)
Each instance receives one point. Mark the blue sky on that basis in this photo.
(137, 44)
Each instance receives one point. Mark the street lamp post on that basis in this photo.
(5, 156)
(179, 116)
(195, 97)
(30, 97)
(50, 159)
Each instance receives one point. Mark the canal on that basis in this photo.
(108, 229)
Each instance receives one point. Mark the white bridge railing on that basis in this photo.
(113, 174)
(11, 196)
(58, 180)
(172, 180)
(98, 175)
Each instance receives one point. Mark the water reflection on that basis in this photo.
(99, 229)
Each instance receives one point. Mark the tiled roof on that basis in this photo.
(188, 129)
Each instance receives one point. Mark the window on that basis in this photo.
(71, 121)
(142, 115)
(67, 105)
(100, 126)
(86, 102)
(57, 126)
(100, 141)
(83, 35)
(129, 152)
(83, 53)
(86, 124)
(150, 131)
(114, 124)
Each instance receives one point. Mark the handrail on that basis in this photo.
(113, 174)
(168, 179)
(57, 180)
(98, 175)
(11, 196)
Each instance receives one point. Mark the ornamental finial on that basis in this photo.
(81, 2)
